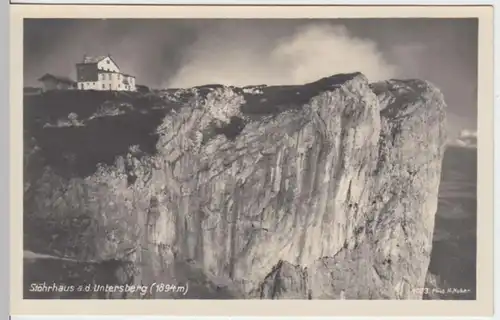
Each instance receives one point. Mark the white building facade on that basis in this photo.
(102, 73)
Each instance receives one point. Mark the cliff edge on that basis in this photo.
(321, 191)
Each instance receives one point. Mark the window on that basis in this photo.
(103, 86)
(119, 86)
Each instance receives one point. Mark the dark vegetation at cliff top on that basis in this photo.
(76, 130)
(75, 150)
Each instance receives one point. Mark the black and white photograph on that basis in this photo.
(306, 159)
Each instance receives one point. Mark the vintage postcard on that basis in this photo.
(252, 160)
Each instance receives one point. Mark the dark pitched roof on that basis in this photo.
(88, 59)
(57, 78)
(97, 59)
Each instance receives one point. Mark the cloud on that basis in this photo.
(310, 53)
(467, 138)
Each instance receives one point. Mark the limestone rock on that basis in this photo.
(321, 191)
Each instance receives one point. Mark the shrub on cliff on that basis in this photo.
(107, 109)
(71, 121)
(223, 104)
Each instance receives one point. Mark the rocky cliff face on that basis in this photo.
(321, 191)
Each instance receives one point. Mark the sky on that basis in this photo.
(183, 53)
